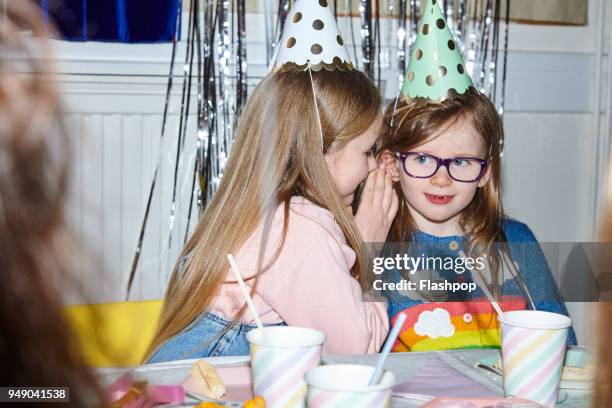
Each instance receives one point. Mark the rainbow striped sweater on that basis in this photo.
(467, 321)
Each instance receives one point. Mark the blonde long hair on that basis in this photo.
(410, 124)
(277, 154)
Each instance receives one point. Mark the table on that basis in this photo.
(403, 365)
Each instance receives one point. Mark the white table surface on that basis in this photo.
(403, 365)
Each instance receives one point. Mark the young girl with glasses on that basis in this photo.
(445, 159)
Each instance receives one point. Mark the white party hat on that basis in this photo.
(311, 35)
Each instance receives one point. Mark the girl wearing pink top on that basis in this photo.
(284, 208)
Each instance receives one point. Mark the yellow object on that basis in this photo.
(257, 402)
(115, 334)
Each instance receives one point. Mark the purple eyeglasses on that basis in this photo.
(462, 169)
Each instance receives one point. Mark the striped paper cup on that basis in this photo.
(346, 385)
(533, 349)
(280, 355)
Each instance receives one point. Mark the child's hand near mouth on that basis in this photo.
(377, 207)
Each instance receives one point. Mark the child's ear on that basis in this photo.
(391, 164)
(485, 178)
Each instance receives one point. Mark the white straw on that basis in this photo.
(480, 281)
(387, 349)
(245, 291)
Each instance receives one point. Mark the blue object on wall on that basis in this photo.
(129, 21)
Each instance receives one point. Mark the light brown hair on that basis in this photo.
(603, 377)
(36, 343)
(277, 154)
(412, 123)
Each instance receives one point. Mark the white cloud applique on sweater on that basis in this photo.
(434, 324)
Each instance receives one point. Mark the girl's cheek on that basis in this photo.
(365, 169)
(469, 189)
(409, 184)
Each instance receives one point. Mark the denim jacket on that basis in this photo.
(205, 338)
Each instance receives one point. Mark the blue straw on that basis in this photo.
(387, 349)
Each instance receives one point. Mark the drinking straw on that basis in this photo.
(245, 291)
(399, 322)
(480, 281)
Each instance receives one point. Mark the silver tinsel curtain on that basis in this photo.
(378, 34)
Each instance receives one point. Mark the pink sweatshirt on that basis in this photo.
(310, 284)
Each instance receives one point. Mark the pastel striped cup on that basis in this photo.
(533, 350)
(280, 355)
(346, 385)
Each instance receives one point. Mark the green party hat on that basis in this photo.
(436, 71)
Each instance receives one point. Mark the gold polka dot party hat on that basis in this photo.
(311, 37)
(436, 71)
